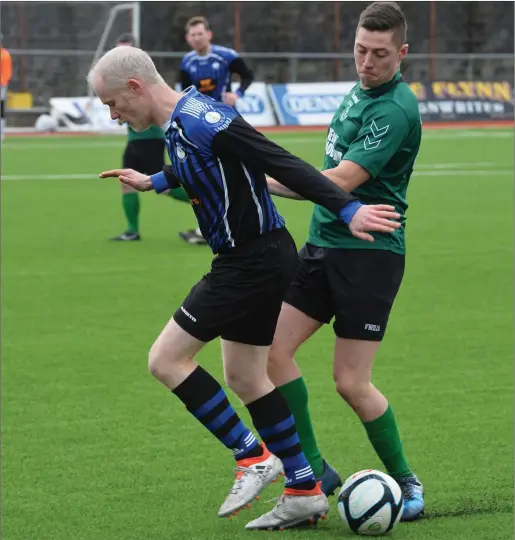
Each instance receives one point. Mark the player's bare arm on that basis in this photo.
(347, 176)
(277, 189)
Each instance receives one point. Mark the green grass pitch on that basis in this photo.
(94, 449)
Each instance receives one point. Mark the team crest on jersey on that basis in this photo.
(215, 65)
(213, 118)
(180, 152)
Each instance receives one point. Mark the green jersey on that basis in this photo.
(153, 132)
(380, 130)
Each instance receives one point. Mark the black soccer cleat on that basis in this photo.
(127, 236)
(193, 237)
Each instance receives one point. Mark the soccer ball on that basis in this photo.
(45, 122)
(370, 503)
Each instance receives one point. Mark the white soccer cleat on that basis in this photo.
(293, 508)
(253, 475)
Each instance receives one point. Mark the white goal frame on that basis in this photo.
(135, 8)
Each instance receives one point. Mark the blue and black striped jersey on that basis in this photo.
(221, 161)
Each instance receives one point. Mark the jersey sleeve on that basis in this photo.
(228, 54)
(184, 61)
(242, 141)
(186, 81)
(164, 180)
(239, 67)
(384, 130)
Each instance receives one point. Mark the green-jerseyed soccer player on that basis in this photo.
(144, 153)
(371, 147)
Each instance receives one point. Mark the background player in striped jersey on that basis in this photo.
(144, 152)
(221, 162)
(210, 69)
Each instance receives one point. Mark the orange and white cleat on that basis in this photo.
(293, 507)
(253, 475)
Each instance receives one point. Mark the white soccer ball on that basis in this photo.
(45, 122)
(370, 503)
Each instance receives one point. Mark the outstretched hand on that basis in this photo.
(139, 181)
(374, 217)
(230, 98)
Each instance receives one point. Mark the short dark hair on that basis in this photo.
(385, 17)
(194, 21)
(127, 37)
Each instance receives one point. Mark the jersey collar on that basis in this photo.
(375, 92)
(189, 92)
(209, 51)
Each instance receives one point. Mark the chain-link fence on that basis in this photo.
(53, 44)
(52, 73)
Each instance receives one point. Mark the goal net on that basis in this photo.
(84, 111)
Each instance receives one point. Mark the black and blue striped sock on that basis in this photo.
(206, 400)
(276, 425)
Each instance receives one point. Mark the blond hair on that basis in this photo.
(120, 64)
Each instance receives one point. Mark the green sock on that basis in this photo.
(296, 395)
(179, 195)
(384, 436)
(131, 208)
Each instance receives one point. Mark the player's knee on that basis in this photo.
(279, 357)
(244, 382)
(351, 390)
(237, 381)
(157, 361)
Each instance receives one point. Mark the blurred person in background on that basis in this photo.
(6, 71)
(210, 67)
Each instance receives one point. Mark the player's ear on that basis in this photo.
(135, 86)
(403, 51)
(209, 35)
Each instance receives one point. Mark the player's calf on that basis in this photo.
(171, 362)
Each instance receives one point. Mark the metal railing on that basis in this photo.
(63, 71)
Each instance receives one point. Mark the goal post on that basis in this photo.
(135, 14)
(78, 110)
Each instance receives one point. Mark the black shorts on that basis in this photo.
(145, 155)
(357, 287)
(240, 299)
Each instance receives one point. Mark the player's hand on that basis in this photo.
(139, 181)
(230, 98)
(374, 217)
